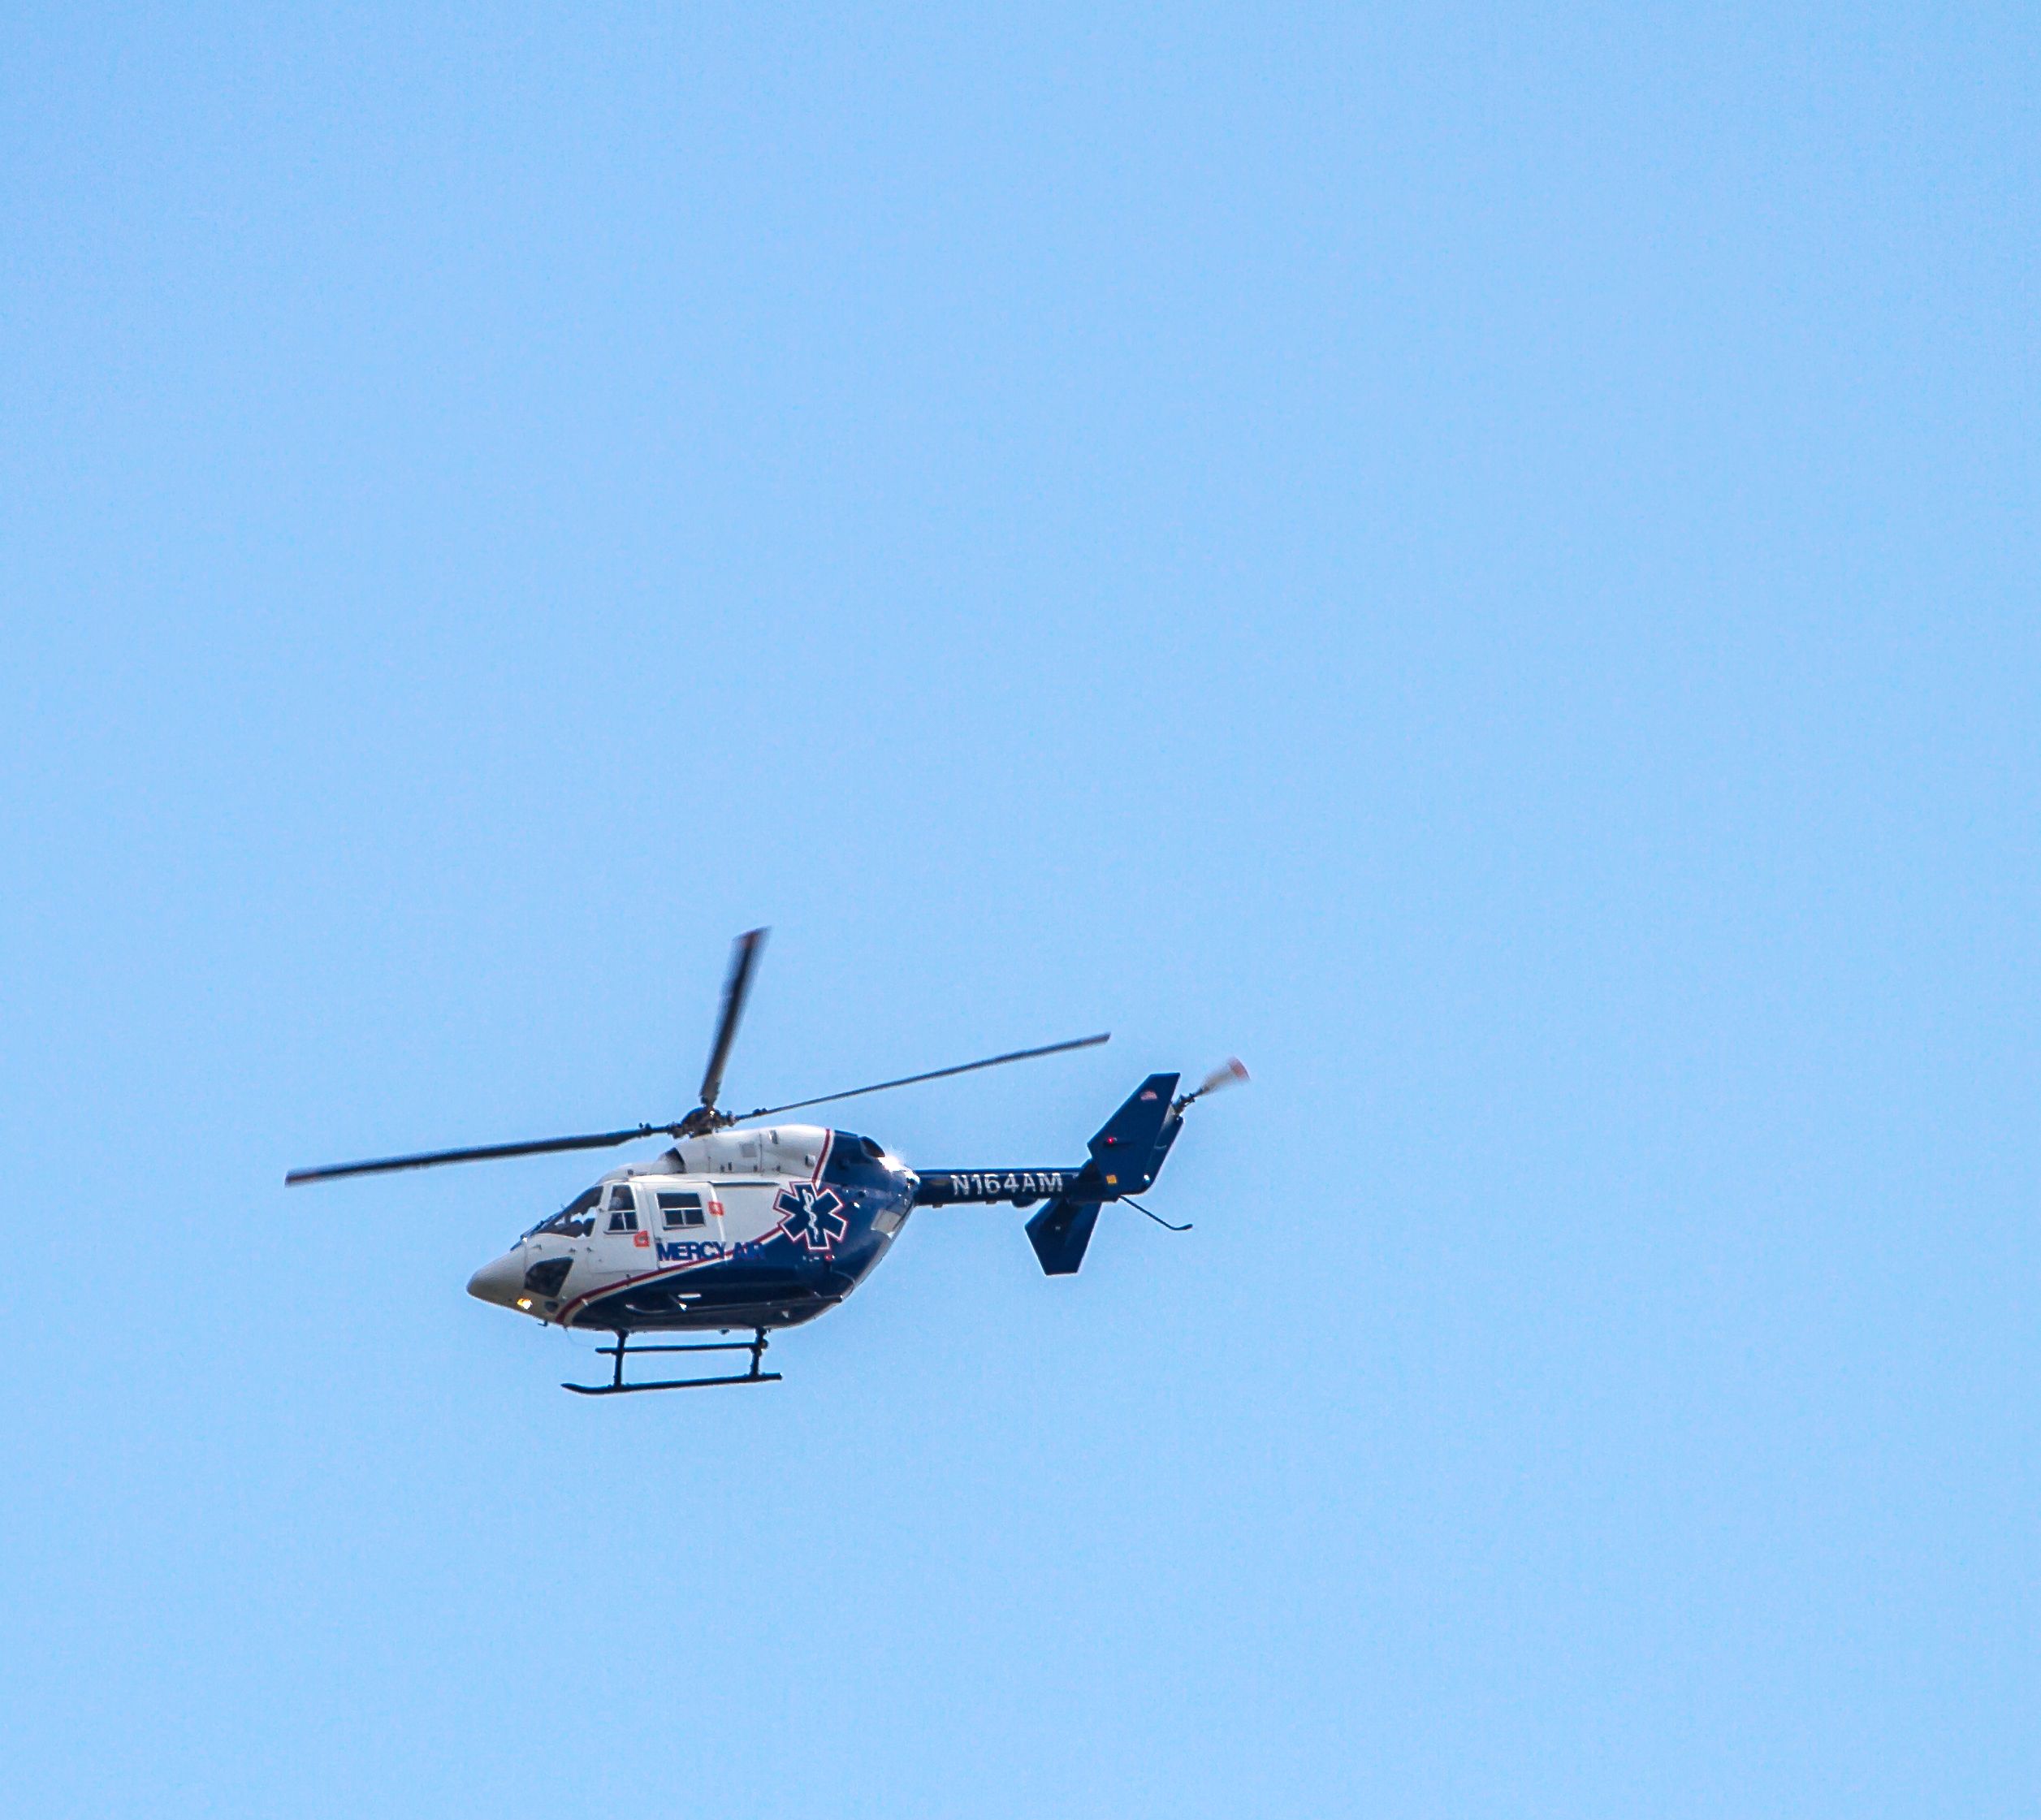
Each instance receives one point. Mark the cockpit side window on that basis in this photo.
(576, 1219)
(623, 1207)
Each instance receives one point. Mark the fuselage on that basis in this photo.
(759, 1228)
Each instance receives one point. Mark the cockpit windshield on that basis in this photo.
(576, 1219)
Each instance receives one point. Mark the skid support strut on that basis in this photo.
(755, 1346)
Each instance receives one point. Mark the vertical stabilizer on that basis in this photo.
(1130, 1145)
(1060, 1233)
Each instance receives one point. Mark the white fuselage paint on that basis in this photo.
(702, 1202)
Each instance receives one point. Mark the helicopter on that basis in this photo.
(763, 1228)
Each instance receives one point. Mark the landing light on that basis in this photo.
(524, 1301)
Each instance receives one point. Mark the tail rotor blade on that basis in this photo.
(1226, 1076)
(744, 956)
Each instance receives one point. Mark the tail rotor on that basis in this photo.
(1234, 1070)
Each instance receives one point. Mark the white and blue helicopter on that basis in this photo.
(767, 1227)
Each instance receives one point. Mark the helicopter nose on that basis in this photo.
(500, 1280)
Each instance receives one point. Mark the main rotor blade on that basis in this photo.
(937, 1074)
(744, 954)
(429, 1159)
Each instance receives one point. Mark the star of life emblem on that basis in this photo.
(811, 1216)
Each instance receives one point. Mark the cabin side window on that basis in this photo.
(622, 1209)
(680, 1208)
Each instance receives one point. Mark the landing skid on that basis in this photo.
(616, 1387)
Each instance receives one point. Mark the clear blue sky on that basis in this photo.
(1484, 560)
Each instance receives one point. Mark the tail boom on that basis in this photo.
(1127, 1155)
(1021, 1187)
